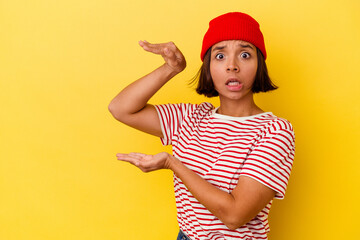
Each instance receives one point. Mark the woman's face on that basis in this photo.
(233, 66)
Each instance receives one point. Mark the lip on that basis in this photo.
(233, 87)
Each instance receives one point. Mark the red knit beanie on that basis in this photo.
(233, 26)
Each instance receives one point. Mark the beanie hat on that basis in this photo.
(233, 26)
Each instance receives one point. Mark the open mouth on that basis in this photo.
(233, 84)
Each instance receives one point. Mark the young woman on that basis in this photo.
(229, 162)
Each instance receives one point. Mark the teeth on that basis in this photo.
(233, 83)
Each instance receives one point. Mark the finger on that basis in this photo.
(163, 49)
(142, 43)
(122, 156)
(137, 155)
(127, 158)
(153, 48)
(174, 54)
(168, 53)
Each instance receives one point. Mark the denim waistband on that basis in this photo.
(182, 236)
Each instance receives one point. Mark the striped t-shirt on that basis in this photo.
(220, 149)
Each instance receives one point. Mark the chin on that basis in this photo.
(236, 96)
(232, 97)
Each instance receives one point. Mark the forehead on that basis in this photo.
(233, 42)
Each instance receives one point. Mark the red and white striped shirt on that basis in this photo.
(220, 149)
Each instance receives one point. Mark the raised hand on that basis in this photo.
(171, 54)
(146, 163)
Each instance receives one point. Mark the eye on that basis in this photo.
(245, 55)
(219, 56)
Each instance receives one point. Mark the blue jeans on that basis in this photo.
(182, 236)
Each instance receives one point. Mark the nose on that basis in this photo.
(232, 66)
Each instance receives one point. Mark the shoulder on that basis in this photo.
(279, 123)
(185, 109)
(202, 109)
(205, 107)
(268, 120)
(280, 126)
(272, 124)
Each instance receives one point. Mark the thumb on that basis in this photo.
(167, 52)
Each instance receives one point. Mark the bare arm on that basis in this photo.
(233, 209)
(130, 105)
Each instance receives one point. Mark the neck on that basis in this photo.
(238, 108)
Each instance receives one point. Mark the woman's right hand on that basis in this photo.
(171, 54)
(131, 105)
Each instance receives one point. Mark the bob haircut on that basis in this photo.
(206, 86)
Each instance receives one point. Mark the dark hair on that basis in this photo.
(206, 86)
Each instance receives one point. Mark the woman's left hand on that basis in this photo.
(147, 163)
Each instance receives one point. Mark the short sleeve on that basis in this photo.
(171, 117)
(270, 162)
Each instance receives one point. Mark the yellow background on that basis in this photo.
(61, 62)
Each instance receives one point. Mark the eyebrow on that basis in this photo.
(246, 46)
(241, 45)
